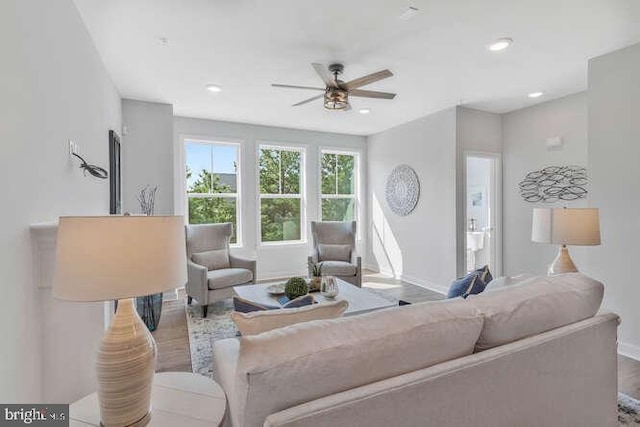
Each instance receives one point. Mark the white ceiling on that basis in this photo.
(439, 57)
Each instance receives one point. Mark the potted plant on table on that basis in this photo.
(316, 276)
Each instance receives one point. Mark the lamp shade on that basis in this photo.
(566, 226)
(115, 257)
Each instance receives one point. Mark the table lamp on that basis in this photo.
(565, 226)
(121, 257)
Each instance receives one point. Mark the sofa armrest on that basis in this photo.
(197, 282)
(249, 264)
(225, 354)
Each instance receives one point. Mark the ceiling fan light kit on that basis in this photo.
(337, 92)
(336, 99)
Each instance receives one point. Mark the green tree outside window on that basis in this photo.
(338, 186)
(212, 196)
(280, 194)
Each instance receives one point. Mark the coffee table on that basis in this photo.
(360, 300)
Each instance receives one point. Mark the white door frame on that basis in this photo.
(496, 204)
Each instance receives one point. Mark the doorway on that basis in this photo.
(483, 212)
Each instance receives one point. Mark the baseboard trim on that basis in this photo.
(410, 279)
(280, 275)
(629, 350)
(424, 284)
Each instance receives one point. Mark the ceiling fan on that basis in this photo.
(336, 93)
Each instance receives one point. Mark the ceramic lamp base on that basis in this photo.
(126, 362)
(562, 263)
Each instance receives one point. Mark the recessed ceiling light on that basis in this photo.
(535, 94)
(409, 13)
(364, 111)
(214, 88)
(500, 44)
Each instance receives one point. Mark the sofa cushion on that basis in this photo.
(218, 279)
(467, 285)
(338, 268)
(534, 306)
(287, 366)
(213, 260)
(334, 252)
(258, 322)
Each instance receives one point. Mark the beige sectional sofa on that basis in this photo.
(532, 354)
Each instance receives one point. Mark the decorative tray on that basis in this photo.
(277, 289)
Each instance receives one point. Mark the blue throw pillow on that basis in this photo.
(485, 274)
(300, 302)
(245, 306)
(242, 305)
(467, 285)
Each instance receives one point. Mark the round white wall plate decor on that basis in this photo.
(403, 190)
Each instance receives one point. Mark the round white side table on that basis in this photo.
(177, 399)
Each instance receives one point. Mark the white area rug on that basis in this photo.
(628, 410)
(204, 331)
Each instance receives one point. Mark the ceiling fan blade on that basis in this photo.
(371, 94)
(325, 75)
(297, 87)
(308, 100)
(371, 78)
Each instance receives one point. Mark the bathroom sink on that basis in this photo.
(475, 240)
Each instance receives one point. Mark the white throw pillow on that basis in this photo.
(213, 260)
(334, 253)
(258, 322)
(501, 282)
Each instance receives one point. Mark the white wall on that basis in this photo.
(53, 87)
(477, 132)
(614, 152)
(280, 260)
(147, 154)
(419, 247)
(524, 135)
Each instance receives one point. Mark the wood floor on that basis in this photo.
(172, 337)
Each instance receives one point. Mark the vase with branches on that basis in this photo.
(150, 306)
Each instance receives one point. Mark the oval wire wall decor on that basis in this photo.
(402, 190)
(554, 183)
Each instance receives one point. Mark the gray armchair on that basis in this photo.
(212, 271)
(334, 248)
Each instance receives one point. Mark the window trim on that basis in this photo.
(356, 196)
(302, 149)
(237, 195)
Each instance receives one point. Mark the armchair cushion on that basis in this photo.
(334, 252)
(338, 268)
(213, 260)
(226, 277)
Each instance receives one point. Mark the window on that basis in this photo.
(213, 194)
(338, 175)
(281, 189)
